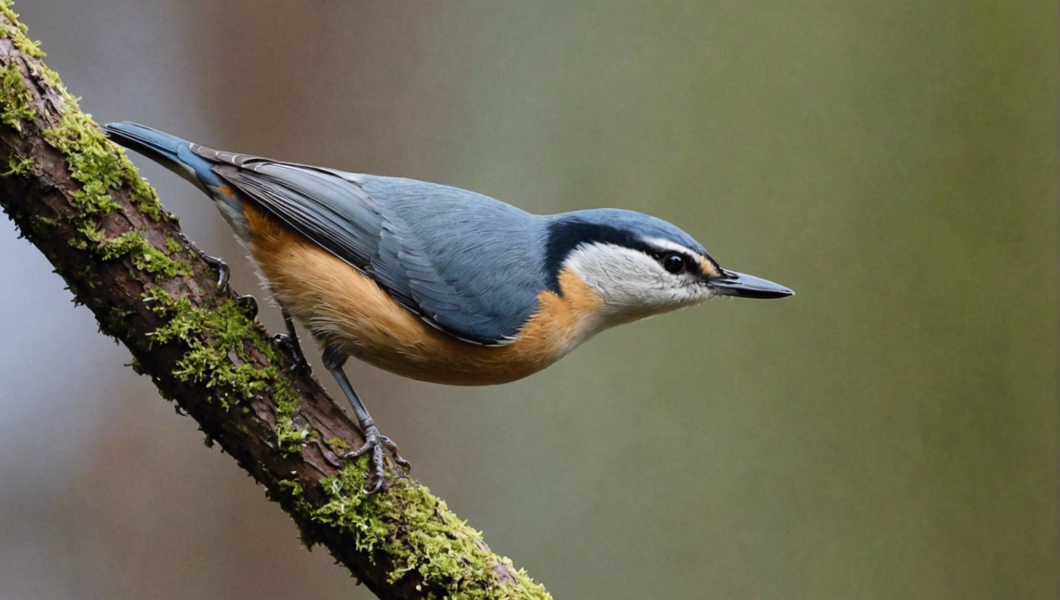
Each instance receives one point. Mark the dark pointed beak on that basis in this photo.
(736, 284)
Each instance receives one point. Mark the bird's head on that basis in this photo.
(639, 266)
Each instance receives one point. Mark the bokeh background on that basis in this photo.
(889, 432)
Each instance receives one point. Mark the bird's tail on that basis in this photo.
(149, 142)
(168, 150)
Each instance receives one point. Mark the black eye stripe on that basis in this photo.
(688, 264)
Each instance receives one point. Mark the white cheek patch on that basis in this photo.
(632, 284)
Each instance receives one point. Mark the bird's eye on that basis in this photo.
(673, 263)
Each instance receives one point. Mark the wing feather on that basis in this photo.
(464, 262)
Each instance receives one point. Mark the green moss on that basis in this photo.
(218, 345)
(16, 165)
(41, 225)
(420, 533)
(223, 363)
(231, 384)
(336, 443)
(18, 35)
(291, 487)
(142, 195)
(172, 245)
(143, 255)
(16, 98)
(162, 303)
(137, 366)
(99, 165)
(115, 322)
(290, 438)
(91, 159)
(95, 162)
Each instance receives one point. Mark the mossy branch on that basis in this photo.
(77, 198)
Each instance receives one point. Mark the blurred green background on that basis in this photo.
(889, 432)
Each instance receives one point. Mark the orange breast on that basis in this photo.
(348, 310)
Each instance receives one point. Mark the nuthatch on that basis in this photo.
(437, 283)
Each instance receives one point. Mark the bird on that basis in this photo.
(436, 283)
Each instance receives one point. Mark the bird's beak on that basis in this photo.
(736, 284)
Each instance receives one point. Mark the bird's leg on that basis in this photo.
(290, 344)
(374, 442)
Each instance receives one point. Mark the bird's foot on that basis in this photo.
(249, 306)
(212, 262)
(293, 349)
(377, 443)
(222, 268)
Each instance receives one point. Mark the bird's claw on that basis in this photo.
(249, 306)
(222, 268)
(293, 350)
(395, 455)
(377, 443)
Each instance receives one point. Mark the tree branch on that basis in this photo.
(77, 197)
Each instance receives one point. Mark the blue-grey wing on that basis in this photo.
(467, 264)
(472, 264)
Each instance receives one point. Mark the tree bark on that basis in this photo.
(75, 196)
